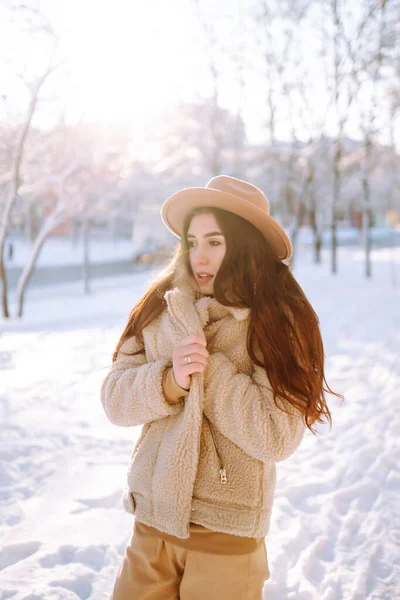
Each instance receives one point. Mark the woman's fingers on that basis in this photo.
(195, 357)
(193, 349)
(192, 367)
(193, 345)
(193, 338)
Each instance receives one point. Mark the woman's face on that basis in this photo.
(207, 248)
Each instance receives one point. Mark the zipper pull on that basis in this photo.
(223, 475)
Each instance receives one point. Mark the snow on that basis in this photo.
(335, 526)
(63, 251)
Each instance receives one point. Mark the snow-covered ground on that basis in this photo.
(335, 531)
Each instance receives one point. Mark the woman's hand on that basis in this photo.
(194, 347)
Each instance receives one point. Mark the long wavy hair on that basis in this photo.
(284, 336)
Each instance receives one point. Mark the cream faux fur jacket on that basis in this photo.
(210, 459)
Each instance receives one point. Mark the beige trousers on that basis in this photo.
(156, 570)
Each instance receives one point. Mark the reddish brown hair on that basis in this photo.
(284, 336)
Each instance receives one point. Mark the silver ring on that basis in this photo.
(187, 359)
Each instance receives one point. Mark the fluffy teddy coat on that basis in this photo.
(210, 459)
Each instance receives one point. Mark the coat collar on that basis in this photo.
(208, 309)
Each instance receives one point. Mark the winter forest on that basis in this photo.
(107, 108)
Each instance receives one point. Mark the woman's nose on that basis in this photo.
(200, 257)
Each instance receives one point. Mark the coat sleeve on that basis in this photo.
(172, 391)
(242, 408)
(132, 391)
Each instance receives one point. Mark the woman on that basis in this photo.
(222, 363)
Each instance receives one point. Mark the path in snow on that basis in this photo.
(335, 532)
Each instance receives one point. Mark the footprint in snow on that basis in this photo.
(6, 594)
(49, 594)
(13, 553)
(110, 501)
(64, 556)
(89, 556)
(6, 360)
(80, 585)
(363, 495)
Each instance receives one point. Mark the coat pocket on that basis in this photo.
(243, 473)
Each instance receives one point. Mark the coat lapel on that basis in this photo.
(178, 455)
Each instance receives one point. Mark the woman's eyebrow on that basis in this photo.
(206, 235)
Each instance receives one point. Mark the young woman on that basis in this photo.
(222, 363)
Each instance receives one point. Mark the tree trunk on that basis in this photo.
(298, 222)
(317, 242)
(4, 289)
(366, 236)
(28, 269)
(86, 263)
(333, 246)
(367, 213)
(335, 200)
(317, 248)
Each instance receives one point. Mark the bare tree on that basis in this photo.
(368, 123)
(67, 204)
(266, 15)
(212, 49)
(239, 62)
(77, 177)
(222, 59)
(15, 179)
(33, 23)
(394, 179)
(279, 27)
(350, 35)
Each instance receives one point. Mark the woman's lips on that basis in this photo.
(204, 279)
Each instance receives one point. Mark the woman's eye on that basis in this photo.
(212, 243)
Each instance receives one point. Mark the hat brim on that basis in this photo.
(177, 206)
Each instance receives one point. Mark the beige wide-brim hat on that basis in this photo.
(234, 195)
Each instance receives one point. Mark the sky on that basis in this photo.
(129, 61)
(126, 54)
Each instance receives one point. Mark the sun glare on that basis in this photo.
(129, 61)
